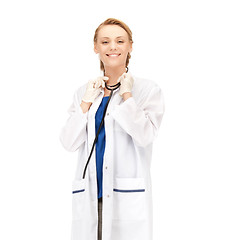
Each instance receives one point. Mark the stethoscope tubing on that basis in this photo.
(111, 88)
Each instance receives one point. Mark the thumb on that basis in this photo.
(104, 79)
(122, 77)
(103, 84)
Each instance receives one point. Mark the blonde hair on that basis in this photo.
(113, 21)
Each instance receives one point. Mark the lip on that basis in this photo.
(113, 54)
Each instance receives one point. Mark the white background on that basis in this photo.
(46, 53)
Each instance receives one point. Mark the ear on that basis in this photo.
(130, 50)
(95, 48)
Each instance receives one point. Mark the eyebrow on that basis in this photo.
(116, 37)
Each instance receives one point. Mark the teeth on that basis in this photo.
(113, 55)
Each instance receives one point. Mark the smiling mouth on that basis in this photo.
(113, 55)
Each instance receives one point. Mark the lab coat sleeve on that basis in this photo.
(141, 121)
(74, 133)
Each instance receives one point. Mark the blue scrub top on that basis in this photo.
(100, 145)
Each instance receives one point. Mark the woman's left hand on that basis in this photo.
(126, 81)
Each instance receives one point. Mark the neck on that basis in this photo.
(114, 74)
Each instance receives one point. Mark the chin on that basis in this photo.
(114, 65)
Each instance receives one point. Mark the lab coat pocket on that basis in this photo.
(129, 198)
(78, 194)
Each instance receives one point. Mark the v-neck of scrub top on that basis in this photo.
(100, 144)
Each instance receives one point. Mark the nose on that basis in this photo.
(113, 46)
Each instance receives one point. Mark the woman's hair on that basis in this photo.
(113, 21)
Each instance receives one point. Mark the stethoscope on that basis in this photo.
(111, 88)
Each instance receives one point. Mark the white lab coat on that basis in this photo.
(130, 128)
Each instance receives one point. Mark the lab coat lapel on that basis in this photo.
(95, 105)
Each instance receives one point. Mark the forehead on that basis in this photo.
(112, 31)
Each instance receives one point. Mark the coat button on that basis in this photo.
(106, 167)
(107, 114)
(108, 196)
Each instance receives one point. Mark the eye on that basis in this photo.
(120, 41)
(104, 42)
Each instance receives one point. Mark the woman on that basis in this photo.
(112, 198)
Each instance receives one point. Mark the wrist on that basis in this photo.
(85, 106)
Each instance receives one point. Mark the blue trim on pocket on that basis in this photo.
(133, 190)
(77, 191)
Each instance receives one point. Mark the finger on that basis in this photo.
(94, 83)
(122, 77)
(105, 78)
(103, 84)
(98, 83)
(119, 79)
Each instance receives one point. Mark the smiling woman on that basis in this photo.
(112, 200)
(113, 41)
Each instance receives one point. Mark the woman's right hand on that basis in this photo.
(93, 89)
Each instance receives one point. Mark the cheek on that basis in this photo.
(103, 49)
(127, 48)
